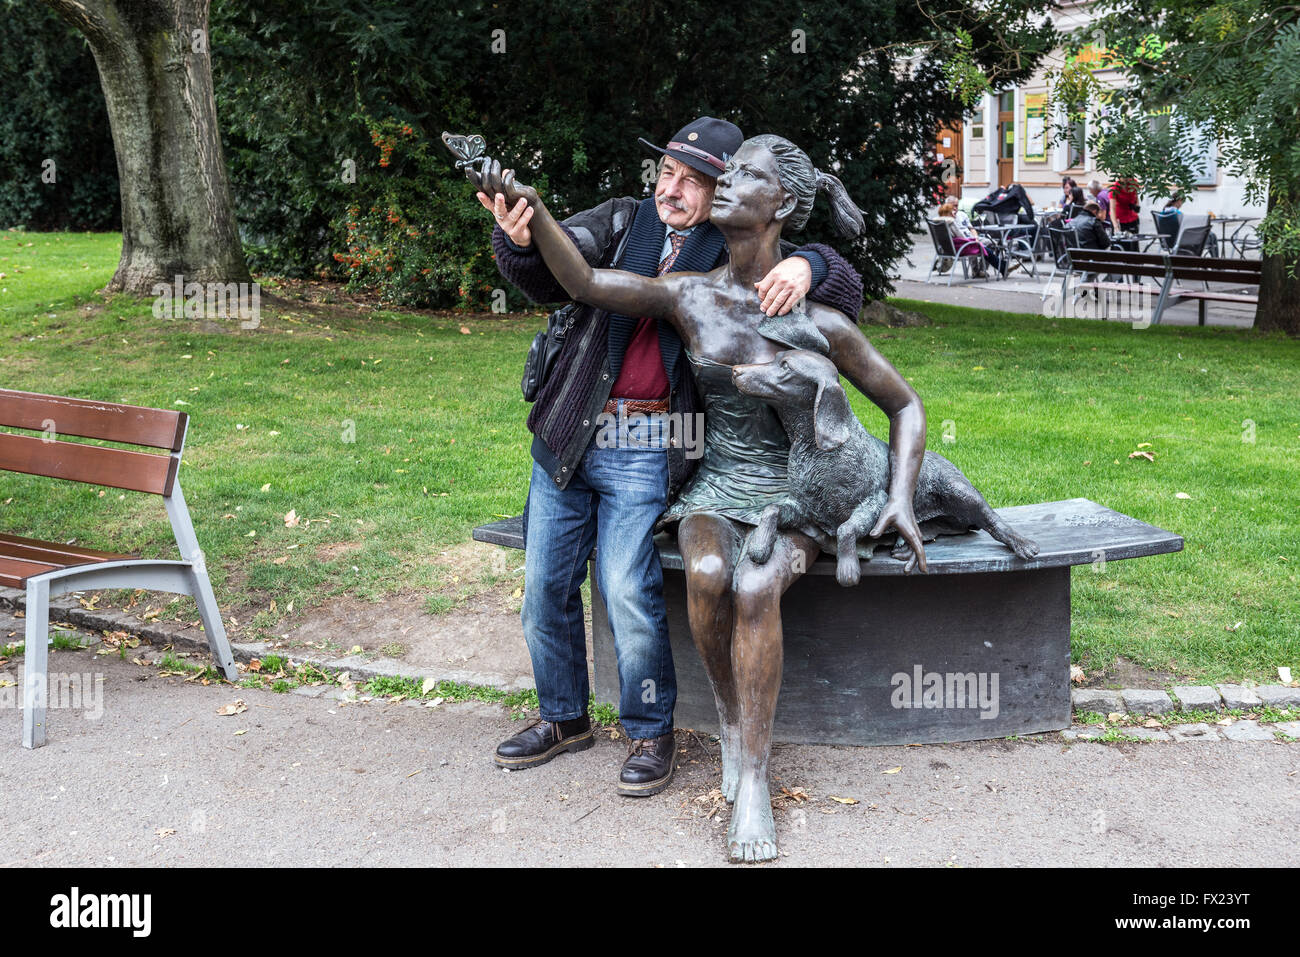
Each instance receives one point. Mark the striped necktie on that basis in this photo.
(678, 240)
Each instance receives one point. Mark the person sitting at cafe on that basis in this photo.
(964, 238)
(1066, 199)
(1101, 197)
(1169, 221)
(1089, 232)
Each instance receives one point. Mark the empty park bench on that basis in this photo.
(45, 569)
(979, 647)
(1171, 272)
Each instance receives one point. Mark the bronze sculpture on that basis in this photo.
(734, 602)
(838, 471)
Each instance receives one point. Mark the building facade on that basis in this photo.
(1010, 138)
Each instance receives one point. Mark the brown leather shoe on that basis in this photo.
(649, 766)
(542, 741)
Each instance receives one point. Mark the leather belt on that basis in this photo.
(636, 405)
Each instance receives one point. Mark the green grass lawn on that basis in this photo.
(390, 434)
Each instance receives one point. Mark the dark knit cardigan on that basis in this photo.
(563, 418)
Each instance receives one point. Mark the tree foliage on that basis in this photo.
(55, 144)
(1225, 71)
(561, 90)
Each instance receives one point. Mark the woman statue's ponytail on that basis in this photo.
(845, 215)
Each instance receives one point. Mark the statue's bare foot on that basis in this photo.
(730, 738)
(752, 835)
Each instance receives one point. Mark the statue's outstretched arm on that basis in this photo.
(611, 289)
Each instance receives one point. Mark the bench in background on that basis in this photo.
(45, 569)
(1168, 270)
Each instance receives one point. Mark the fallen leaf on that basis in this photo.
(1076, 673)
(1151, 723)
(464, 330)
(1142, 455)
(241, 731)
(428, 685)
(1181, 495)
(280, 561)
(842, 800)
(1144, 445)
(1285, 675)
(291, 519)
(255, 664)
(165, 831)
(266, 487)
(1115, 717)
(892, 771)
(238, 707)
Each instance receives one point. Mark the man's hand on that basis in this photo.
(513, 221)
(782, 288)
(899, 516)
(511, 203)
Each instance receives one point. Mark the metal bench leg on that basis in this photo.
(36, 657)
(213, 626)
(201, 586)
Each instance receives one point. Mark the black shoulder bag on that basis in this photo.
(547, 345)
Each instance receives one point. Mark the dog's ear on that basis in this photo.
(831, 416)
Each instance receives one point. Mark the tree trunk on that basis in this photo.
(156, 72)
(1279, 299)
(1279, 294)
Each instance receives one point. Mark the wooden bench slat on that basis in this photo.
(1215, 296)
(15, 571)
(1122, 286)
(31, 549)
(93, 464)
(90, 419)
(1117, 255)
(1216, 275)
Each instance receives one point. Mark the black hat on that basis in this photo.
(705, 145)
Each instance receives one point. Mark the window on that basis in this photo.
(1077, 138)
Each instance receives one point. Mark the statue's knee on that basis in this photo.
(758, 591)
(708, 577)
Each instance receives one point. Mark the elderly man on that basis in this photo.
(597, 481)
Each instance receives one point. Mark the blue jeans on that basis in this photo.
(612, 501)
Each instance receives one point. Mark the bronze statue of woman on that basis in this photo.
(733, 603)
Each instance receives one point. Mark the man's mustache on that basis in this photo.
(665, 201)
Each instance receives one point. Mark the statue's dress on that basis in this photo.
(746, 452)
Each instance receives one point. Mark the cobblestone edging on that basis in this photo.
(191, 638)
(1132, 702)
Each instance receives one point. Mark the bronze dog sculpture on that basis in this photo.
(839, 472)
